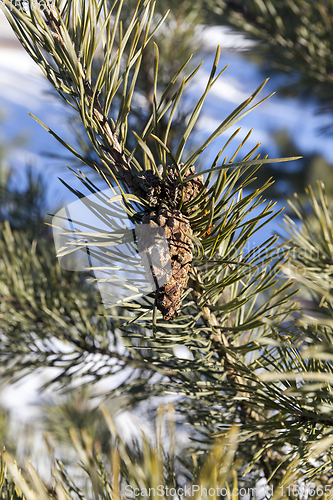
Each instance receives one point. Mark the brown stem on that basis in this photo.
(121, 165)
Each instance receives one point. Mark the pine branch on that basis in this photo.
(235, 316)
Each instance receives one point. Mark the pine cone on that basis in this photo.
(166, 195)
(176, 227)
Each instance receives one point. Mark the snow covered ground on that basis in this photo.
(24, 89)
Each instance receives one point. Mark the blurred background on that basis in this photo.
(292, 47)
